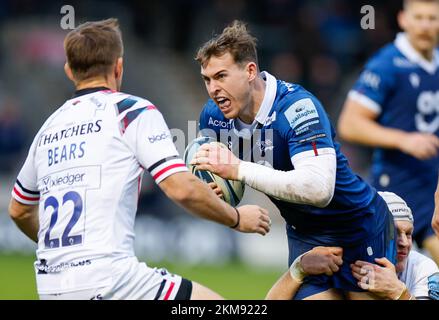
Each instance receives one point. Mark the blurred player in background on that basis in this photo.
(394, 107)
(322, 201)
(76, 194)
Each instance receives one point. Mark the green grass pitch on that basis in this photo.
(232, 280)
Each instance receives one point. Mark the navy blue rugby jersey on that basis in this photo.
(403, 89)
(292, 121)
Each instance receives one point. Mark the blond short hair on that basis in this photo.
(235, 39)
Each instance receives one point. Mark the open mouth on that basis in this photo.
(223, 103)
(402, 254)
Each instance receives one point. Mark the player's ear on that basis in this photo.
(402, 20)
(118, 70)
(252, 71)
(69, 72)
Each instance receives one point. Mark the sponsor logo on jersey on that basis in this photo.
(76, 177)
(73, 131)
(371, 79)
(314, 137)
(159, 137)
(301, 115)
(67, 179)
(415, 80)
(218, 123)
(44, 268)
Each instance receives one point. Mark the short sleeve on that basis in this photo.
(373, 86)
(26, 188)
(151, 141)
(427, 278)
(307, 128)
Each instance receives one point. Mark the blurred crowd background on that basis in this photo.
(316, 43)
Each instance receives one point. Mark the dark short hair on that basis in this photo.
(235, 39)
(93, 48)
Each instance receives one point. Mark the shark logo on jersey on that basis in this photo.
(301, 115)
(415, 80)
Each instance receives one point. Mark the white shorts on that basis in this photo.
(133, 280)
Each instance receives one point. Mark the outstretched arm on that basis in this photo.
(197, 197)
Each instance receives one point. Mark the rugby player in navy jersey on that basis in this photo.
(394, 107)
(293, 158)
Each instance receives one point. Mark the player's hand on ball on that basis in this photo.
(216, 189)
(254, 219)
(216, 159)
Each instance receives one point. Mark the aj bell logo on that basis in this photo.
(68, 179)
(159, 137)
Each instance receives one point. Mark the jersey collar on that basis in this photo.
(85, 91)
(264, 110)
(404, 46)
(270, 95)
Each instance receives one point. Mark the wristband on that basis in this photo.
(237, 222)
(402, 293)
(296, 270)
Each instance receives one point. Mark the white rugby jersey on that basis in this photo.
(84, 169)
(417, 274)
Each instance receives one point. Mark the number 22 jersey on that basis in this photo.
(84, 169)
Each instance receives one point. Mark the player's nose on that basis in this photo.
(213, 88)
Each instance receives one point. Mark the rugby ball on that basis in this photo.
(233, 191)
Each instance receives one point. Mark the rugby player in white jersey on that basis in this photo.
(76, 194)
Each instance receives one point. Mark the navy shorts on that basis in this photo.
(382, 245)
